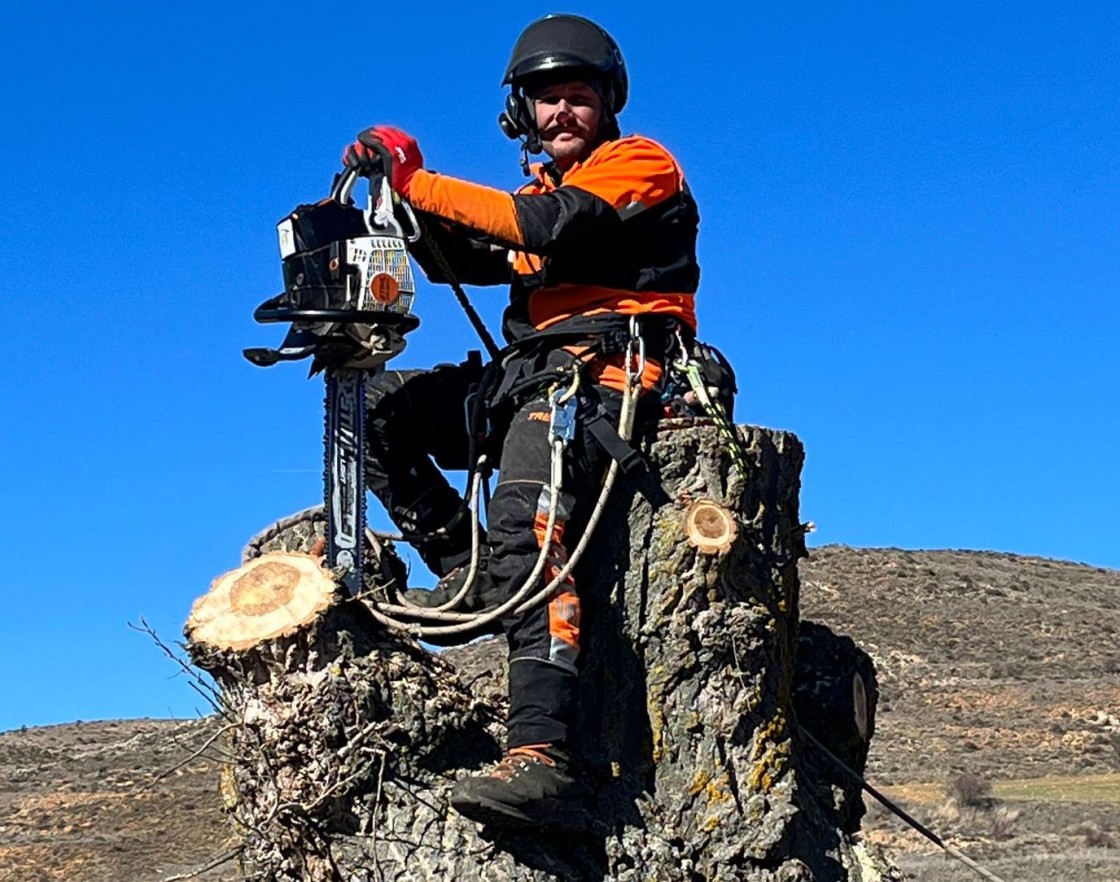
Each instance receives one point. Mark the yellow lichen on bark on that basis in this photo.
(770, 753)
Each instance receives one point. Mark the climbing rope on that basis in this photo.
(475, 319)
(443, 621)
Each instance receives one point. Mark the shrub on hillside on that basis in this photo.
(971, 791)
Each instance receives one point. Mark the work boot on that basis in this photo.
(483, 594)
(382, 569)
(533, 786)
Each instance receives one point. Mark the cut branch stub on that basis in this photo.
(859, 703)
(269, 597)
(710, 527)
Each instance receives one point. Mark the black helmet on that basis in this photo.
(569, 43)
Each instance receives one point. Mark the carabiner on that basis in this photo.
(683, 358)
(638, 343)
(572, 389)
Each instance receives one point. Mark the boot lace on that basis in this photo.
(519, 757)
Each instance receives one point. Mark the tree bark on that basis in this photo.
(349, 737)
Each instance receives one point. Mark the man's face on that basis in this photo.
(568, 118)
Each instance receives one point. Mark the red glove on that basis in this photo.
(385, 150)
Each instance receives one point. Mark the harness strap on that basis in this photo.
(607, 334)
(629, 460)
(532, 364)
(523, 362)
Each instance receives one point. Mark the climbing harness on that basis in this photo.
(442, 622)
(528, 366)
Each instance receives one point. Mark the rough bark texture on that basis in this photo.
(694, 680)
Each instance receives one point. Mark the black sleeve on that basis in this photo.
(566, 218)
(472, 260)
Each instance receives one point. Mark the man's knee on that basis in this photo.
(388, 404)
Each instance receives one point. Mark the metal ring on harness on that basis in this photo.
(636, 342)
(572, 390)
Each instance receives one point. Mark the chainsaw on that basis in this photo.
(348, 293)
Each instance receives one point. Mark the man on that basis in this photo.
(603, 232)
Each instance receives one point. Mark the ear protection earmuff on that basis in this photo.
(518, 121)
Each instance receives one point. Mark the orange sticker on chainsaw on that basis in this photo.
(384, 288)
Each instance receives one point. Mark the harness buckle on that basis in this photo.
(613, 342)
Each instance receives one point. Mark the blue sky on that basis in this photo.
(910, 246)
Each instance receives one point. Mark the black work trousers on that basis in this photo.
(416, 421)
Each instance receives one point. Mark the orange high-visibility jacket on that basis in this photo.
(616, 233)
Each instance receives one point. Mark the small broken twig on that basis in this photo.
(210, 693)
(190, 758)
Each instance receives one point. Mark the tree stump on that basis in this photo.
(346, 738)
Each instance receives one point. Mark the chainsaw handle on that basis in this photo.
(342, 188)
(380, 216)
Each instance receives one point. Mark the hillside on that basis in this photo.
(993, 668)
(998, 667)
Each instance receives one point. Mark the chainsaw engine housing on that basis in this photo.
(331, 261)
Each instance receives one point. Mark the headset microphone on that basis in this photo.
(517, 121)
